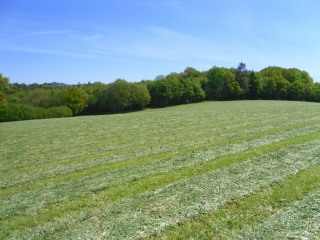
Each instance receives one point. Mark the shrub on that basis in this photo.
(17, 112)
(59, 112)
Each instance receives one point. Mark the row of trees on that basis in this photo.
(269, 83)
(189, 86)
(47, 101)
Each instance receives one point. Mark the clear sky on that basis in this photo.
(73, 41)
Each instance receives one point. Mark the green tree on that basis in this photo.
(160, 93)
(4, 84)
(307, 86)
(76, 99)
(192, 91)
(118, 96)
(296, 90)
(242, 77)
(13, 99)
(40, 98)
(282, 88)
(140, 96)
(190, 72)
(121, 96)
(175, 87)
(55, 99)
(316, 89)
(3, 102)
(275, 85)
(291, 74)
(256, 86)
(301, 87)
(235, 90)
(97, 101)
(221, 84)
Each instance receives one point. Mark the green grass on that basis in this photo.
(257, 215)
(180, 172)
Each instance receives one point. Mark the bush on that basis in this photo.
(59, 112)
(17, 112)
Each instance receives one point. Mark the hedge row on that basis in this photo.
(16, 112)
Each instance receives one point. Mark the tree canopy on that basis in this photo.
(76, 99)
(190, 86)
(121, 96)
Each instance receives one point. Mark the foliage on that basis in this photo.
(175, 89)
(281, 83)
(96, 98)
(4, 84)
(316, 94)
(3, 102)
(13, 99)
(189, 86)
(59, 112)
(121, 96)
(192, 91)
(160, 93)
(243, 79)
(40, 98)
(76, 99)
(17, 112)
(222, 84)
(190, 72)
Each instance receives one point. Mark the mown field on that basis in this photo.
(213, 170)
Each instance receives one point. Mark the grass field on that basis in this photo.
(213, 170)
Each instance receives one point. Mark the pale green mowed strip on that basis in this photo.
(134, 175)
(300, 220)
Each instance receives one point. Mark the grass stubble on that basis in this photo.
(287, 209)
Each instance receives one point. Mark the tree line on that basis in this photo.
(21, 101)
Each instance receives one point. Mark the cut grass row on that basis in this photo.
(92, 203)
(245, 217)
(300, 220)
(145, 214)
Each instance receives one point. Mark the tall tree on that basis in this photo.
(243, 78)
(40, 98)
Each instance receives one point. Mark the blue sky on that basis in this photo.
(73, 41)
